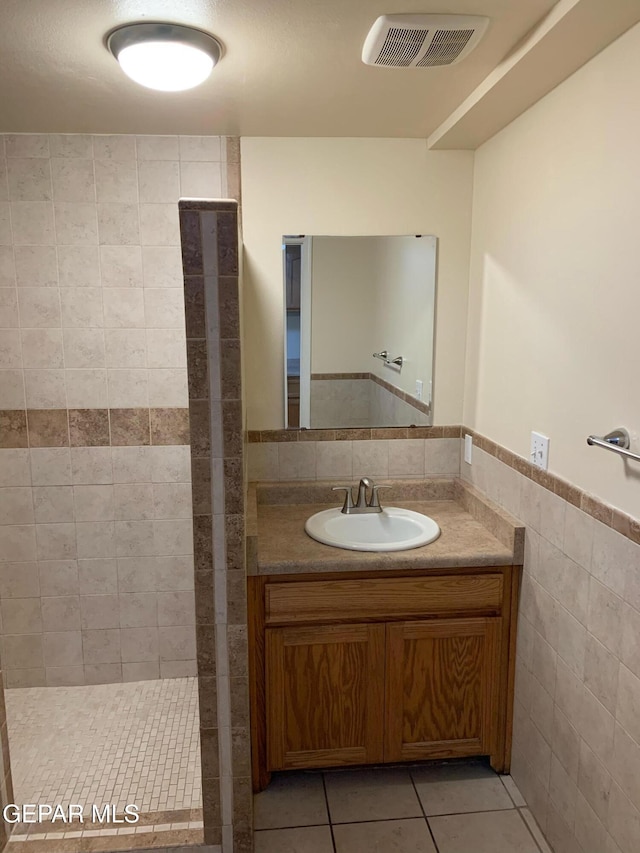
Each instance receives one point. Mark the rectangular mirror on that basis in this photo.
(359, 321)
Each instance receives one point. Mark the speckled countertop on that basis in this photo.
(474, 532)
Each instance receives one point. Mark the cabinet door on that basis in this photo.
(325, 695)
(442, 688)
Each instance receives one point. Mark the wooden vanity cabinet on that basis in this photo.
(367, 669)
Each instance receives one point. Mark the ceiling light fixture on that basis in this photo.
(167, 57)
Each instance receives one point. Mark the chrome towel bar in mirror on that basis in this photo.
(384, 356)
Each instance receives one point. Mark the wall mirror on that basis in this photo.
(359, 328)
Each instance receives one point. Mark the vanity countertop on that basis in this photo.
(474, 532)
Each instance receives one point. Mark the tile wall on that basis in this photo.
(96, 552)
(576, 743)
(353, 400)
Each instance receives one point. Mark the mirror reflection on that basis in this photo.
(359, 330)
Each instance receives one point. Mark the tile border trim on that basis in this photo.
(121, 427)
(353, 434)
(626, 525)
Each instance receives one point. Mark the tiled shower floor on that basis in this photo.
(135, 743)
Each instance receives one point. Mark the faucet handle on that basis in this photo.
(348, 498)
(375, 501)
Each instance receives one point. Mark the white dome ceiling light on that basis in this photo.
(167, 57)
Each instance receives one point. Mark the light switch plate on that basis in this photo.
(468, 448)
(540, 450)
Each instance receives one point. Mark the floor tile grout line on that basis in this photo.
(426, 819)
(502, 777)
(326, 801)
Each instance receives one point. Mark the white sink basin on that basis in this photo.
(393, 529)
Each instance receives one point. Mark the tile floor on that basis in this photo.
(110, 743)
(445, 808)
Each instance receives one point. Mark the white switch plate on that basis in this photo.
(468, 448)
(418, 389)
(540, 450)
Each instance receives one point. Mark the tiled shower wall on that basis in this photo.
(96, 565)
(576, 740)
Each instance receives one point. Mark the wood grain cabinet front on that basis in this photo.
(409, 672)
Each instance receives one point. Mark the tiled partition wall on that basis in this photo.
(576, 747)
(96, 566)
(211, 267)
(362, 399)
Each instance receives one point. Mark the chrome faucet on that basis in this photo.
(361, 506)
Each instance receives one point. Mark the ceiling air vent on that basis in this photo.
(422, 41)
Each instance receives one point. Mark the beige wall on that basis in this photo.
(554, 296)
(342, 187)
(342, 307)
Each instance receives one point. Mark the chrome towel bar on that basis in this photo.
(616, 440)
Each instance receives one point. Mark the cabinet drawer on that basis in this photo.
(384, 598)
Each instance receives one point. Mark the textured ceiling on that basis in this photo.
(291, 68)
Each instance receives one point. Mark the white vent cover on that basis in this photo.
(422, 41)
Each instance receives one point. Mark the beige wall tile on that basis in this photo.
(128, 388)
(565, 742)
(84, 348)
(45, 389)
(174, 573)
(121, 266)
(596, 725)
(64, 676)
(53, 504)
(132, 464)
(138, 610)
(96, 539)
(124, 308)
(36, 266)
(406, 458)
(12, 390)
(137, 574)
(157, 148)
(572, 642)
(601, 673)
(16, 506)
(139, 644)
(56, 541)
(10, 349)
(58, 577)
(22, 651)
(6, 237)
(159, 225)
(26, 145)
(333, 459)
(134, 539)
(19, 580)
(630, 644)
(168, 388)
(61, 613)
(78, 266)
(623, 821)
(133, 502)
(99, 611)
(118, 225)
(42, 348)
(172, 500)
(73, 180)
(15, 467)
(125, 348)
(94, 503)
(116, 181)
(71, 145)
(21, 616)
(91, 466)
(176, 608)
(9, 308)
(177, 643)
(166, 347)
(101, 646)
(297, 460)
(200, 180)
(164, 308)
(604, 618)
(263, 461)
(609, 556)
(97, 577)
(18, 543)
(81, 307)
(76, 224)
(162, 266)
(50, 466)
(103, 673)
(33, 677)
(146, 671)
(86, 388)
(32, 223)
(628, 704)
(370, 458)
(170, 464)
(39, 307)
(623, 764)
(173, 538)
(199, 148)
(114, 147)
(159, 180)
(29, 179)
